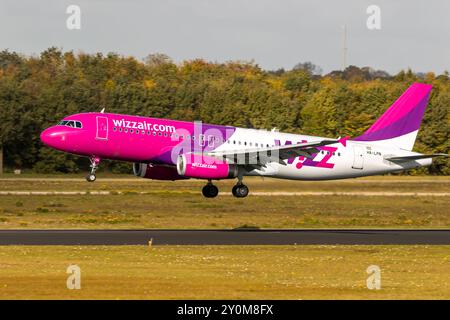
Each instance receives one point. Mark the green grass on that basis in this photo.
(256, 184)
(225, 272)
(180, 205)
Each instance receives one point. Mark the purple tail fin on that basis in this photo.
(401, 122)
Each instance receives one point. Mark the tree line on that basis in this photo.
(38, 91)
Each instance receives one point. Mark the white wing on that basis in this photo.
(261, 156)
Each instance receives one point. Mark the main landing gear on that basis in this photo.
(95, 161)
(210, 190)
(240, 190)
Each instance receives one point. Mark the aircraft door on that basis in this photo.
(102, 128)
(358, 157)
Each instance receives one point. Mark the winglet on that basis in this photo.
(343, 140)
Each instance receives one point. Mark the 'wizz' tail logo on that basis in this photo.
(328, 152)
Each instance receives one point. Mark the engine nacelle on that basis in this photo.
(203, 167)
(157, 172)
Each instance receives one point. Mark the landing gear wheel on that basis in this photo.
(91, 177)
(210, 191)
(240, 191)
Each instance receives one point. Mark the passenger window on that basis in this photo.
(201, 139)
(78, 124)
(211, 141)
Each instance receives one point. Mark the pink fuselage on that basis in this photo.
(134, 138)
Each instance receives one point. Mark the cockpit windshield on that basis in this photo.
(71, 123)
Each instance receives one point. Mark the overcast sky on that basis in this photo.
(274, 33)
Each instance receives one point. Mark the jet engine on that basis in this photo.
(155, 171)
(204, 167)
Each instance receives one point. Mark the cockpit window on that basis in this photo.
(71, 123)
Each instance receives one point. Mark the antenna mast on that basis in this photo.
(344, 48)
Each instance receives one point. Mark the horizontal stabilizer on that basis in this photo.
(416, 157)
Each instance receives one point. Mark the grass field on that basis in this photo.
(226, 272)
(180, 204)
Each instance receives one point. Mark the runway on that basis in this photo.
(264, 194)
(226, 237)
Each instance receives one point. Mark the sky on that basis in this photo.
(273, 33)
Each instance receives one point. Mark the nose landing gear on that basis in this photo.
(95, 161)
(210, 190)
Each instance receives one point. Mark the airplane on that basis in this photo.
(165, 149)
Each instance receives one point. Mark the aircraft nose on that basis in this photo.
(52, 137)
(45, 136)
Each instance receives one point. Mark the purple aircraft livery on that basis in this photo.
(171, 150)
